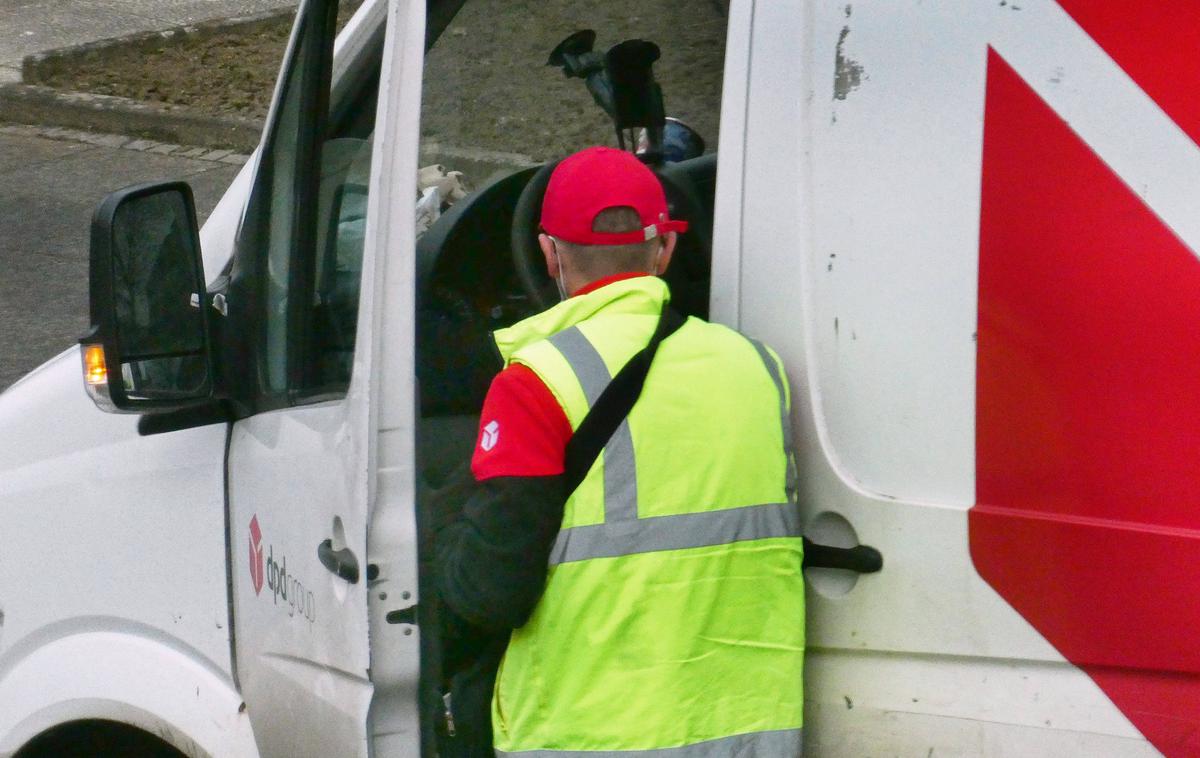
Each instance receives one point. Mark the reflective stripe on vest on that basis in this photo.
(789, 449)
(622, 532)
(620, 471)
(784, 743)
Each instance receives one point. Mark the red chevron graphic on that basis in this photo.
(1088, 415)
(1155, 44)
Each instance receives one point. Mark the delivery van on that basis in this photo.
(969, 229)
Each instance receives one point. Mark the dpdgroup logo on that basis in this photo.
(284, 585)
(256, 555)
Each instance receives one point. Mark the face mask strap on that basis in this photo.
(560, 280)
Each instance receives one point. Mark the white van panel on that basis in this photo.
(951, 706)
(139, 679)
(105, 530)
(112, 588)
(856, 197)
(895, 119)
(891, 119)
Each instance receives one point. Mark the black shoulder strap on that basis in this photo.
(614, 404)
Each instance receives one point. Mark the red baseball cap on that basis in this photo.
(598, 178)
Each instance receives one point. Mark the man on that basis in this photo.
(658, 608)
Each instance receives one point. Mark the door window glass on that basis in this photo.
(281, 217)
(300, 250)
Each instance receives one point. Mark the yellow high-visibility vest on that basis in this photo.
(673, 616)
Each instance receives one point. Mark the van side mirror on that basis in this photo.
(148, 348)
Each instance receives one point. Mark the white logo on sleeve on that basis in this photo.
(491, 435)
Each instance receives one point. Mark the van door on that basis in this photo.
(296, 467)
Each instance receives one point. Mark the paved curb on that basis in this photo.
(124, 142)
(33, 104)
(30, 103)
(32, 64)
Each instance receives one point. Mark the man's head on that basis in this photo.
(604, 213)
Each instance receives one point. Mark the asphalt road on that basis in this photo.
(48, 191)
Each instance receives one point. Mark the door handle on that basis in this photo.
(341, 562)
(863, 559)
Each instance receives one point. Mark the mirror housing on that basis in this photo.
(148, 349)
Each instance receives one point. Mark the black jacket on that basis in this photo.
(489, 570)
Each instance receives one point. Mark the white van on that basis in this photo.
(969, 229)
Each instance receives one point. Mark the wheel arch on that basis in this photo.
(96, 738)
(131, 679)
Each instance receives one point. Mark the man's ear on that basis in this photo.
(664, 257)
(547, 246)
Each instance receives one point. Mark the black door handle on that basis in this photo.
(403, 616)
(341, 562)
(862, 558)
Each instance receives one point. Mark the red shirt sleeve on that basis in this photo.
(523, 431)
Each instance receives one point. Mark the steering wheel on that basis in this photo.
(527, 257)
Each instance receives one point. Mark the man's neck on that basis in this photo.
(598, 283)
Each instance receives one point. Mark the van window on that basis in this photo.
(285, 190)
(300, 250)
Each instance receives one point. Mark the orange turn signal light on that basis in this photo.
(95, 372)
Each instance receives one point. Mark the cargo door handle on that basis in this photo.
(863, 559)
(341, 562)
